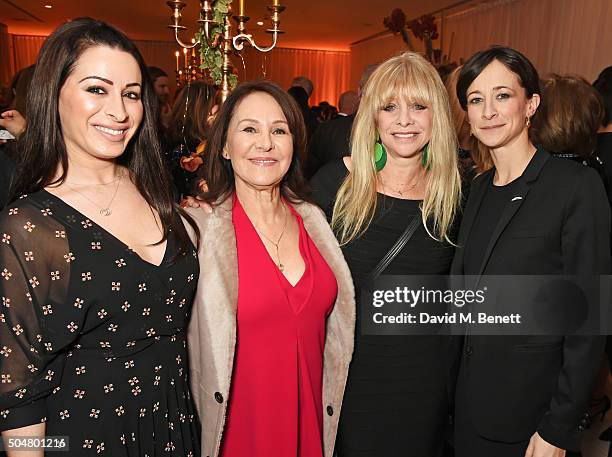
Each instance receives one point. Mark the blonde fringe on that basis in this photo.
(411, 76)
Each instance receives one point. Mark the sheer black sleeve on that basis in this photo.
(34, 276)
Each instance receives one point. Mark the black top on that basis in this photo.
(92, 336)
(491, 209)
(396, 394)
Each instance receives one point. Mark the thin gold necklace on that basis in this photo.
(279, 264)
(410, 187)
(104, 210)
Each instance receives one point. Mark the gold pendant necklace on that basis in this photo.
(279, 264)
(106, 210)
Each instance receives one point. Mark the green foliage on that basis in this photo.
(211, 54)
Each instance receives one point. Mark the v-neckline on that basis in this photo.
(114, 237)
(263, 246)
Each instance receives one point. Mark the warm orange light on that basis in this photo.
(49, 6)
(259, 22)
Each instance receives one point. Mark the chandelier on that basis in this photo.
(215, 34)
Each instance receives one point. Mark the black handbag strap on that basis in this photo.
(393, 252)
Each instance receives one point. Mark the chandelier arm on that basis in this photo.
(180, 42)
(238, 42)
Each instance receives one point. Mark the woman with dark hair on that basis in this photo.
(192, 115)
(267, 350)
(97, 266)
(524, 395)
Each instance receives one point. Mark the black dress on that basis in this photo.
(92, 337)
(396, 398)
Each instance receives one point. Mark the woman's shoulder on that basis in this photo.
(220, 211)
(569, 171)
(31, 216)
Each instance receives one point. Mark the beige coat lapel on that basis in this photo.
(212, 330)
(340, 330)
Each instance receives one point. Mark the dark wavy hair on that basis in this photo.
(42, 148)
(221, 184)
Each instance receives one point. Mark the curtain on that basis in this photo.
(7, 66)
(561, 36)
(328, 70)
(25, 50)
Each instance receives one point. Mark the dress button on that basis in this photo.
(469, 350)
(218, 397)
(330, 410)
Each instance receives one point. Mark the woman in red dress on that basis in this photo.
(269, 352)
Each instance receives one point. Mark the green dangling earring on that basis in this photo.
(425, 156)
(380, 155)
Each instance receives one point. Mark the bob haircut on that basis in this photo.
(410, 77)
(42, 149)
(564, 126)
(221, 181)
(513, 60)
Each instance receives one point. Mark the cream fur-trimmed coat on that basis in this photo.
(212, 329)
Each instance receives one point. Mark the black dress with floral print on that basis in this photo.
(92, 337)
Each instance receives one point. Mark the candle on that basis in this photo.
(186, 62)
(275, 3)
(241, 8)
(176, 54)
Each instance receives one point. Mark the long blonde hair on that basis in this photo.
(411, 77)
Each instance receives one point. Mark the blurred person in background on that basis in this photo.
(332, 139)
(192, 114)
(162, 90)
(348, 103)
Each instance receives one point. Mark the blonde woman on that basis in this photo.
(403, 168)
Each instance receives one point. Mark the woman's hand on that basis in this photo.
(538, 447)
(13, 121)
(193, 202)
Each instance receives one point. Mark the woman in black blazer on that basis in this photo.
(531, 214)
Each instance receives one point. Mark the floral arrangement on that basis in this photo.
(211, 56)
(424, 28)
(396, 23)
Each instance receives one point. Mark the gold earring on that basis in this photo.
(528, 122)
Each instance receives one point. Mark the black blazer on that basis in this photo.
(331, 141)
(517, 385)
